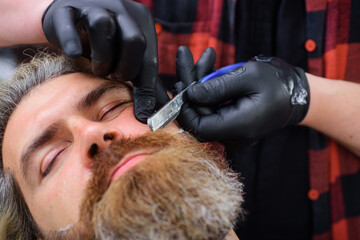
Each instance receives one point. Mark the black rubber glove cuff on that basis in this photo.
(45, 12)
(294, 79)
(300, 109)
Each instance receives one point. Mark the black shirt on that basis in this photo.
(275, 170)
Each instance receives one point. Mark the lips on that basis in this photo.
(126, 164)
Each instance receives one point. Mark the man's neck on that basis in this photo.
(231, 236)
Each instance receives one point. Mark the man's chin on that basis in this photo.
(180, 192)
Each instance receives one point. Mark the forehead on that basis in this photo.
(41, 105)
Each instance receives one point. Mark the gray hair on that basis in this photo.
(15, 219)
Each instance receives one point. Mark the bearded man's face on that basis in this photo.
(101, 173)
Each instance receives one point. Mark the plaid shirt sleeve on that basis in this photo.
(333, 50)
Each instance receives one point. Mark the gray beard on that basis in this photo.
(182, 192)
(184, 197)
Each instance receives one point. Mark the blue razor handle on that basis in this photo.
(221, 71)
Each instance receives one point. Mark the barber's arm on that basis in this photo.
(335, 110)
(21, 22)
(266, 94)
(118, 35)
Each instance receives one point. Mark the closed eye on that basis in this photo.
(114, 111)
(51, 164)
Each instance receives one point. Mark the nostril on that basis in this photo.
(108, 137)
(93, 150)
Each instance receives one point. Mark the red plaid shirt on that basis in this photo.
(333, 51)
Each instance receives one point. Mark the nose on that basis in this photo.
(93, 137)
(101, 144)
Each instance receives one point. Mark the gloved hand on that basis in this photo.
(187, 73)
(119, 37)
(262, 95)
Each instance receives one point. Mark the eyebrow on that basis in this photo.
(48, 134)
(92, 97)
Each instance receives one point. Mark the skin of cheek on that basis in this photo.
(134, 127)
(56, 203)
(127, 124)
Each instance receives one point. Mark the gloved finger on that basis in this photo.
(205, 64)
(203, 67)
(101, 29)
(144, 102)
(64, 22)
(149, 65)
(241, 118)
(132, 43)
(189, 120)
(178, 87)
(147, 79)
(145, 85)
(161, 95)
(204, 128)
(185, 69)
(212, 127)
(220, 89)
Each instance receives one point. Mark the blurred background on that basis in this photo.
(8, 61)
(10, 57)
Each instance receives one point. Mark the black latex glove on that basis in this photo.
(187, 72)
(262, 95)
(119, 37)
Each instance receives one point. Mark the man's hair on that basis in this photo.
(16, 221)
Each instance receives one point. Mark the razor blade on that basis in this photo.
(170, 111)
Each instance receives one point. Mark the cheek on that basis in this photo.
(58, 204)
(128, 124)
(72, 184)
